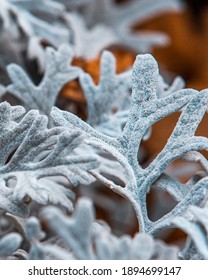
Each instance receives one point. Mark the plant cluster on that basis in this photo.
(46, 153)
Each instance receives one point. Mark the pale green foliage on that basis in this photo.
(196, 226)
(30, 154)
(39, 147)
(146, 109)
(86, 238)
(58, 72)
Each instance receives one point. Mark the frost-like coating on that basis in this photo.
(35, 156)
(57, 73)
(146, 109)
(29, 153)
(88, 239)
(196, 226)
